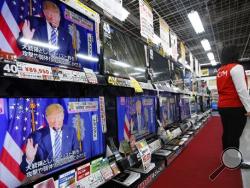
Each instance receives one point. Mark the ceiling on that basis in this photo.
(225, 22)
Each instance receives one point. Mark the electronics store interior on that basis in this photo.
(117, 93)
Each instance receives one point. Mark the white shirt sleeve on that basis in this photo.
(238, 77)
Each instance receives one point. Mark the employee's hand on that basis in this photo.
(248, 114)
(31, 150)
(27, 32)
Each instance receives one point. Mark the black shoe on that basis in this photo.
(245, 165)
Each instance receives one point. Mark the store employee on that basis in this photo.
(234, 99)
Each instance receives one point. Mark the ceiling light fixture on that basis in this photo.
(213, 63)
(206, 45)
(210, 56)
(196, 22)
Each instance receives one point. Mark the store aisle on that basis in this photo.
(193, 167)
(245, 150)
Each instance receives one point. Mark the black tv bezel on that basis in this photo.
(102, 60)
(150, 65)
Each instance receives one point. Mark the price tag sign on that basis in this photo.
(145, 153)
(33, 71)
(9, 69)
(66, 75)
(135, 84)
(79, 77)
(91, 76)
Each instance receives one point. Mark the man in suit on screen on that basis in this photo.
(49, 30)
(51, 142)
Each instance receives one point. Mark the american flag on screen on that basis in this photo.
(13, 13)
(18, 117)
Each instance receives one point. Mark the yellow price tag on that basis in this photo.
(135, 84)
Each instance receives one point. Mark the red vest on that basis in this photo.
(228, 96)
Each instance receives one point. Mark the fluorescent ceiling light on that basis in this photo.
(86, 57)
(210, 56)
(206, 45)
(119, 63)
(125, 14)
(196, 22)
(213, 63)
(38, 43)
(140, 69)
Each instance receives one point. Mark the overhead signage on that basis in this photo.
(164, 34)
(146, 20)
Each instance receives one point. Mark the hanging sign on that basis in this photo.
(173, 38)
(164, 35)
(146, 20)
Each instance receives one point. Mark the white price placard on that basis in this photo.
(146, 20)
(91, 76)
(164, 34)
(33, 71)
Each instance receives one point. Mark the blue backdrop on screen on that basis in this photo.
(136, 115)
(83, 114)
(75, 34)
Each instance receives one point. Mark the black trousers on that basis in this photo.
(233, 121)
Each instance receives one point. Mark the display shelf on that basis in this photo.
(144, 181)
(25, 70)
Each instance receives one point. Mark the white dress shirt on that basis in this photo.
(238, 76)
(53, 138)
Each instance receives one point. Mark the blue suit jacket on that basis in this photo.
(43, 139)
(64, 38)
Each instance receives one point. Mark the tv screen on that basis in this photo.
(199, 104)
(168, 109)
(41, 135)
(193, 105)
(48, 32)
(160, 67)
(177, 76)
(188, 79)
(184, 108)
(123, 56)
(136, 116)
(195, 86)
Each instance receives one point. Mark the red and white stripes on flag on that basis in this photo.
(126, 129)
(10, 159)
(9, 31)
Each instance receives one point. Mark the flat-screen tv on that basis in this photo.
(193, 105)
(178, 75)
(188, 79)
(185, 107)
(48, 32)
(195, 86)
(168, 110)
(199, 104)
(160, 67)
(123, 56)
(136, 116)
(39, 136)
